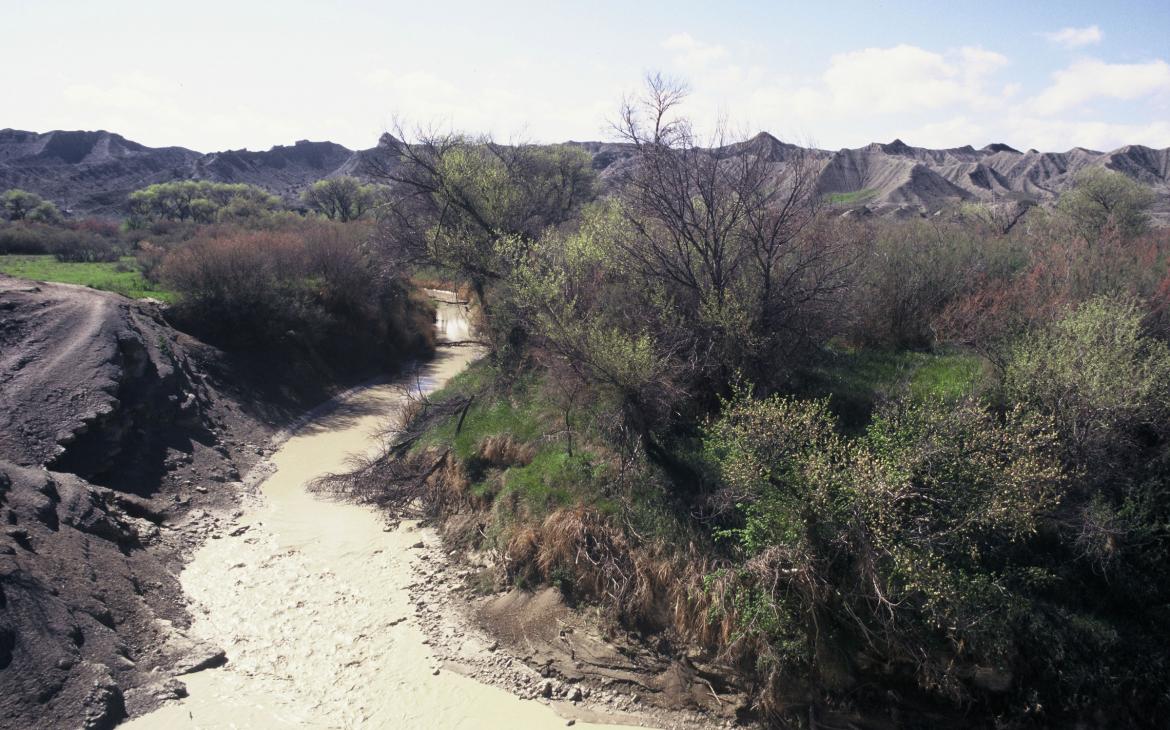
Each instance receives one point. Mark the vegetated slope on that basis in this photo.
(111, 431)
(92, 172)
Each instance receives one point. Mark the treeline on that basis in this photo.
(658, 428)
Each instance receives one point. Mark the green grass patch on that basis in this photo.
(513, 414)
(856, 380)
(122, 276)
(947, 376)
(851, 198)
(552, 478)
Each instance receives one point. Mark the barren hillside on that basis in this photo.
(93, 172)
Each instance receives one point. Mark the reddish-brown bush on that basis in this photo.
(311, 288)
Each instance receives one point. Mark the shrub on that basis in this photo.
(913, 272)
(312, 289)
(81, 247)
(1104, 381)
(1058, 271)
(24, 237)
(898, 543)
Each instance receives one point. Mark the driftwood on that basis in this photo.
(396, 479)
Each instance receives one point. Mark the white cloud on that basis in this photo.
(1059, 134)
(691, 53)
(903, 79)
(935, 98)
(1075, 37)
(953, 132)
(1091, 78)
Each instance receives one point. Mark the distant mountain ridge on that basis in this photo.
(93, 172)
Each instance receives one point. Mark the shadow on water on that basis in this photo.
(414, 381)
(341, 416)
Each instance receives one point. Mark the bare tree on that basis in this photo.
(723, 224)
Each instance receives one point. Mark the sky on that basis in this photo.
(215, 75)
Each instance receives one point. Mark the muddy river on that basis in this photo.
(311, 602)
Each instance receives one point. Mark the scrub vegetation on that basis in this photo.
(874, 468)
(913, 471)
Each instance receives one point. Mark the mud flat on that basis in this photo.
(311, 599)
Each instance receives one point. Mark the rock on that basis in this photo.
(546, 689)
(200, 657)
(418, 545)
(149, 697)
(575, 695)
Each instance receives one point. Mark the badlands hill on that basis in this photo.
(92, 172)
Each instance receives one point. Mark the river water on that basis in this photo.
(309, 601)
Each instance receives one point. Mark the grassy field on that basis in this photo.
(852, 198)
(856, 380)
(123, 276)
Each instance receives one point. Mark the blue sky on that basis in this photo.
(223, 75)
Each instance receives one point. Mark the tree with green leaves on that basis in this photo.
(340, 199)
(1100, 198)
(471, 206)
(19, 205)
(195, 201)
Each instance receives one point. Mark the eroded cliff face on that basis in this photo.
(114, 434)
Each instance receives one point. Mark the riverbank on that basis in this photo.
(318, 604)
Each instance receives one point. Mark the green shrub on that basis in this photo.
(901, 540)
(1103, 380)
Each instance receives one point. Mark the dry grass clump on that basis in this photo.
(503, 451)
(647, 585)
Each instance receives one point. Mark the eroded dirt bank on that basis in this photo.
(118, 446)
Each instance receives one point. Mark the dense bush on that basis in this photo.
(311, 289)
(902, 543)
(1058, 271)
(912, 271)
(82, 241)
(24, 237)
